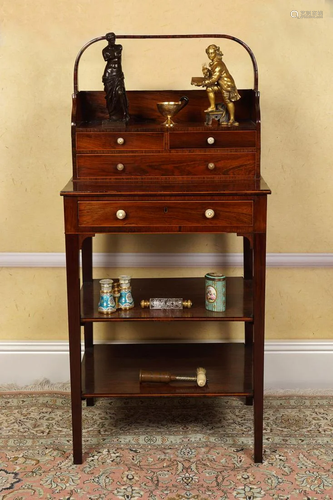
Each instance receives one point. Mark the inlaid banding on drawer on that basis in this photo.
(228, 164)
(94, 141)
(213, 139)
(161, 214)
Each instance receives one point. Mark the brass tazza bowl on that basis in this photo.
(170, 109)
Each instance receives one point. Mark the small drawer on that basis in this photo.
(213, 139)
(224, 164)
(229, 214)
(122, 141)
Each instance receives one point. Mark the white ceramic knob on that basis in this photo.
(120, 167)
(201, 377)
(120, 214)
(209, 213)
(120, 141)
(211, 166)
(210, 140)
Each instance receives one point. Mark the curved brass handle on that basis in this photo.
(209, 213)
(151, 37)
(184, 100)
(121, 214)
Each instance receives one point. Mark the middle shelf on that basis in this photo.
(239, 301)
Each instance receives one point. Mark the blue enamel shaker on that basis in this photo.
(106, 303)
(125, 299)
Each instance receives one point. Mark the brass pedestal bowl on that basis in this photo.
(169, 109)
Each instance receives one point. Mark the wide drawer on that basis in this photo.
(103, 141)
(225, 164)
(173, 213)
(213, 139)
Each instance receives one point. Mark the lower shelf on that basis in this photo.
(113, 370)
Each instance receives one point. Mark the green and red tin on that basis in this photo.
(215, 292)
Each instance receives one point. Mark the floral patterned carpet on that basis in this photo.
(170, 449)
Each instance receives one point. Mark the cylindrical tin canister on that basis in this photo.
(215, 292)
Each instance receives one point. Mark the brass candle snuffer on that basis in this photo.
(166, 377)
(171, 109)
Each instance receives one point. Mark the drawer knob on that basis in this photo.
(120, 141)
(211, 166)
(120, 167)
(209, 213)
(210, 140)
(120, 214)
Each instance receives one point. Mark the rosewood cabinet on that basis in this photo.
(165, 180)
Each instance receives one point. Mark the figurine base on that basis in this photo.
(118, 125)
(219, 114)
(214, 115)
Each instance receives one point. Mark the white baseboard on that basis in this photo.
(208, 260)
(289, 365)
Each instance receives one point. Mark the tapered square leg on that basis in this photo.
(248, 275)
(74, 328)
(87, 275)
(259, 344)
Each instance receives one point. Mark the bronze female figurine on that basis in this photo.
(113, 79)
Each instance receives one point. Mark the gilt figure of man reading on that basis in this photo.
(218, 79)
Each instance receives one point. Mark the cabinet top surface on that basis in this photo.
(167, 187)
(147, 125)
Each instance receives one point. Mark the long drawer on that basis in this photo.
(225, 164)
(103, 214)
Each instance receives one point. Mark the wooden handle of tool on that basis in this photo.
(146, 376)
(201, 377)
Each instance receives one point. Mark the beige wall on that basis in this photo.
(39, 42)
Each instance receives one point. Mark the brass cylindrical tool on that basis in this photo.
(166, 377)
(166, 303)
